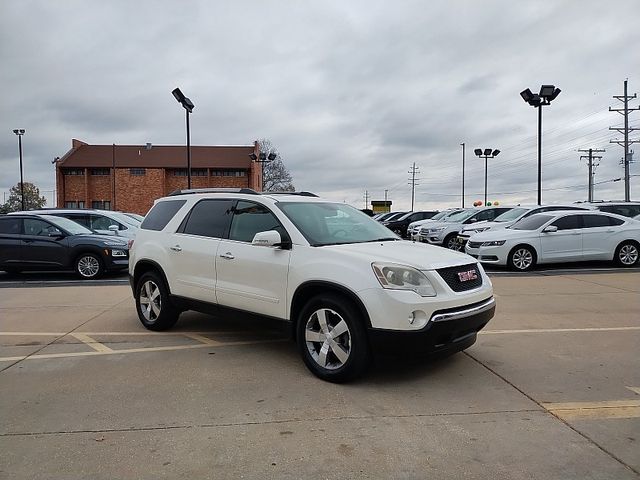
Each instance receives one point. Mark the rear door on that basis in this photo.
(564, 245)
(41, 250)
(251, 277)
(600, 236)
(192, 249)
(10, 241)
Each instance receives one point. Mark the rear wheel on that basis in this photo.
(332, 339)
(627, 254)
(522, 258)
(155, 310)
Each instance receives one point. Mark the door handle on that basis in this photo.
(176, 248)
(29, 241)
(227, 255)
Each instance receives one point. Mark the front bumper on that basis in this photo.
(491, 255)
(113, 265)
(448, 331)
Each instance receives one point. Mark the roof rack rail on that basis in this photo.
(302, 194)
(248, 191)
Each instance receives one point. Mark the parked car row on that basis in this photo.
(90, 242)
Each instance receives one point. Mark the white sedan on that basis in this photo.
(565, 236)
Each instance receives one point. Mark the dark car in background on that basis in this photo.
(47, 242)
(399, 224)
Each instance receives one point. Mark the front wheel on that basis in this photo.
(522, 258)
(627, 254)
(155, 310)
(89, 266)
(451, 242)
(332, 339)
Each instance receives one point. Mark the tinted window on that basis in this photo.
(592, 221)
(531, 223)
(161, 214)
(250, 218)
(209, 218)
(10, 226)
(81, 219)
(570, 222)
(614, 222)
(37, 227)
(100, 222)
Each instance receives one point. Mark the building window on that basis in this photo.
(101, 204)
(73, 171)
(74, 204)
(195, 172)
(229, 173)
(137, 171)
(100, 171)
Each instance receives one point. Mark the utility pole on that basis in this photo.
(625, 131)
(592, 167)
(412, 181)
(462, 174)
(366, 199)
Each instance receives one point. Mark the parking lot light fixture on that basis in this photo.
(486, 154)
(547, 94)
(188, 106)
(20, 132)
(262, 159)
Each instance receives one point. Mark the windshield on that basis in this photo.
(68, 225)
(533, 222)
(460, 216)
(334, 223)
(512, 214)
(395, 216)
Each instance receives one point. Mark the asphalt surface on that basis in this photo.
(551, 390)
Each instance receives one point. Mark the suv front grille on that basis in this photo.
(474, 244)
(454, 277)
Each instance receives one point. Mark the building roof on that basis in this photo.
(83, 155)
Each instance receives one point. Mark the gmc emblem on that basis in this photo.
(467, 276)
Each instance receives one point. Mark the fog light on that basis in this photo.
(412, 318)
(417, 318)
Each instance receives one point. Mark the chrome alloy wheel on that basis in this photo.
(150, 301)
(328, 339)
(88, 266)
(522, 259)
(628, 254)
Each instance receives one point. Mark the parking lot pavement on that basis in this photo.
(550, 390)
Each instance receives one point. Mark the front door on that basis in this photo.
(251, 277)
(41, 250)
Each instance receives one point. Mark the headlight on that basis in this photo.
(118, 253)
(496, 243)
(115, 244)
(401, 277)
(436, 230)
(482, 229)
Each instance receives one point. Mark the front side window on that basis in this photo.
(37, 227)
(100, 222)
(570, 222)
(72, 226)
(334, 223)
(250, 218)
(208, 218)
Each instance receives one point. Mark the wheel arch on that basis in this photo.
(622, 242)
(534, 250)
(146, 265)
(310, 289)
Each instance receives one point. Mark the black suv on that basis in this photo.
(400, 224)
(46, 242)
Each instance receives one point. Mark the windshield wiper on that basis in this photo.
(385, 239)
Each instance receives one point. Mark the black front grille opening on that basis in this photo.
(489, 258)
(475, 244)
(456, 336)
(454, 280)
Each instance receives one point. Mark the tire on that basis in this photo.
(154, 307)
(89, 266)
(627, 254)
(334, 358)
(450, 242)
(522, 258)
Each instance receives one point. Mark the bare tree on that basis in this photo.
(276, 176)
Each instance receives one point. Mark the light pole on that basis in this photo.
(19, 132)
(263, 158)
(486, 154)
(462, 173)
(188, 106)
(547, 94)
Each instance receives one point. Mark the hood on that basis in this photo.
(486, 226)
(420, 223)
(438, 224)
(102, 238)
(502, 234)
(417, 255)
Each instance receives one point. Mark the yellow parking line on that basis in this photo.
(86, 339)
(635, 389)
(202, 339)
(560, 330)
(168, 334)
(595, 410)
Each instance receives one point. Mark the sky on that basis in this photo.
(351, 93)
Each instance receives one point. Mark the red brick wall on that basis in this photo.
(73, 189)
(99, 188)
(136, 193)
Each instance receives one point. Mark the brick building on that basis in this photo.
(130, 177)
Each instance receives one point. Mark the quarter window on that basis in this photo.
(161, 214)
(250, 218)
(209, 218)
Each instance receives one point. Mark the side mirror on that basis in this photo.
(270, 238)
(472, 220)
(113, 228)
(550, 229)
(55, 234)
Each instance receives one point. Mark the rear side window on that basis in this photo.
(161, 214)
(209, 218)
(10, 226)
(570, 222)
(593, 221)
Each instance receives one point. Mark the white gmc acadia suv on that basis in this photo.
(346, 286)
